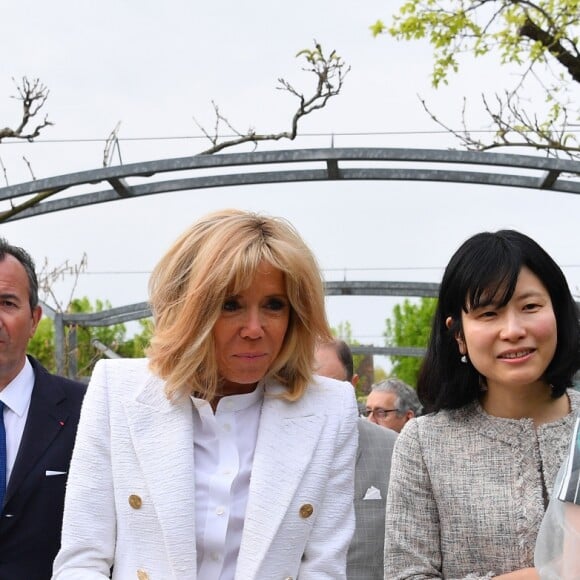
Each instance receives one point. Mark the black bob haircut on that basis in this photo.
(483, 270)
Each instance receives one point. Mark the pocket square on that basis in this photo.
(49, 473)
(373, 493)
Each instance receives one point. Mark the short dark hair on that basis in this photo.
(485, 268)
(343, 354)
(28, 263)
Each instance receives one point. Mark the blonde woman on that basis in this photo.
(220, 456)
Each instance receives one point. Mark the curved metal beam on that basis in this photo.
(525, 171)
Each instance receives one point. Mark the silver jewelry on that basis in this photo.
(463, 359)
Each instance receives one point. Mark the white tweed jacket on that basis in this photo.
(466, 495)
(130, 496)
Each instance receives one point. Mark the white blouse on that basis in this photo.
(224, 445)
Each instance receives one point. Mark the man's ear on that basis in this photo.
(36, 316)
(458, 336)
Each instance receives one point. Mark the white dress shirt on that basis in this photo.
(16, 398)
(224, 445)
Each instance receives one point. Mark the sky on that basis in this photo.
(155, 66)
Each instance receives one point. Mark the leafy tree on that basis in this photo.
(42, 344)
(538, 37)
(410, 325)
(344, 332)
(112, 336)
(363, 364)
(135, 347)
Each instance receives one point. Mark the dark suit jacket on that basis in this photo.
(31, 519)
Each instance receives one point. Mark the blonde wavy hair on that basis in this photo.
(218, 257)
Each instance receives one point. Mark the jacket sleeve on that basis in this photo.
(324, 557)
(412, 539)
(89, 528)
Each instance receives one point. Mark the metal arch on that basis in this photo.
(506, 170)
(332, 288)
(340, 288)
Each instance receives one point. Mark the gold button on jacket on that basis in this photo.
(306, 510)
(135, 502)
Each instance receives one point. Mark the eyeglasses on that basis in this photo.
(378, 413)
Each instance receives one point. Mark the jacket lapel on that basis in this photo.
(47, 415)
(162, 434)
(287, 438)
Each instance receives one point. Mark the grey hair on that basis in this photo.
(405, 396)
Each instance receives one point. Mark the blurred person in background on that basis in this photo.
(372, 471)
(391, 403)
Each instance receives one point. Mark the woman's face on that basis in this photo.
(250, 331)
(512, 345)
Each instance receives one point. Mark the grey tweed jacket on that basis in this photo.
(371, 479)
(466, 495)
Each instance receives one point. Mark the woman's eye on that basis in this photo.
(487, 314)
(531, 306)
(231, 305)
(276, 304)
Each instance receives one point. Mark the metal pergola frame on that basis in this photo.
(76, 190)
(201, 172)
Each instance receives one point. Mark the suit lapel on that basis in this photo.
(162, 434)
(287, 439)
(47, 415)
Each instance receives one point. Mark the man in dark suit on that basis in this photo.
(39, 413)
(372, 471)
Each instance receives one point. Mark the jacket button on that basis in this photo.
(142, 575)
(136, 502)
(306, 510)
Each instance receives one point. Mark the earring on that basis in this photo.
(463, 359)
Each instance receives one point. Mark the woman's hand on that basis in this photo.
(523, 574)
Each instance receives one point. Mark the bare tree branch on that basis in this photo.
(111, 144)
(39, 197)
(48, 276)
(33, 95)
(513, 127)
(568, 60)
(29, 168)
(329, 71)
(4, 172)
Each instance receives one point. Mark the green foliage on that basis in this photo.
(410, 325)
(344, 332)
(457, 27)
(42, 344)
(135, 347)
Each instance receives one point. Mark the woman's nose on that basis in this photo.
(513, 327)
(253, 326)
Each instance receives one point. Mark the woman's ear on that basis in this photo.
(458, 336)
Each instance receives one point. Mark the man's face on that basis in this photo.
(327, 364)
(381, 403)
(17, 322)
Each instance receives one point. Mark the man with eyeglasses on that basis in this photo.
(372, 471)
(391, 403)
